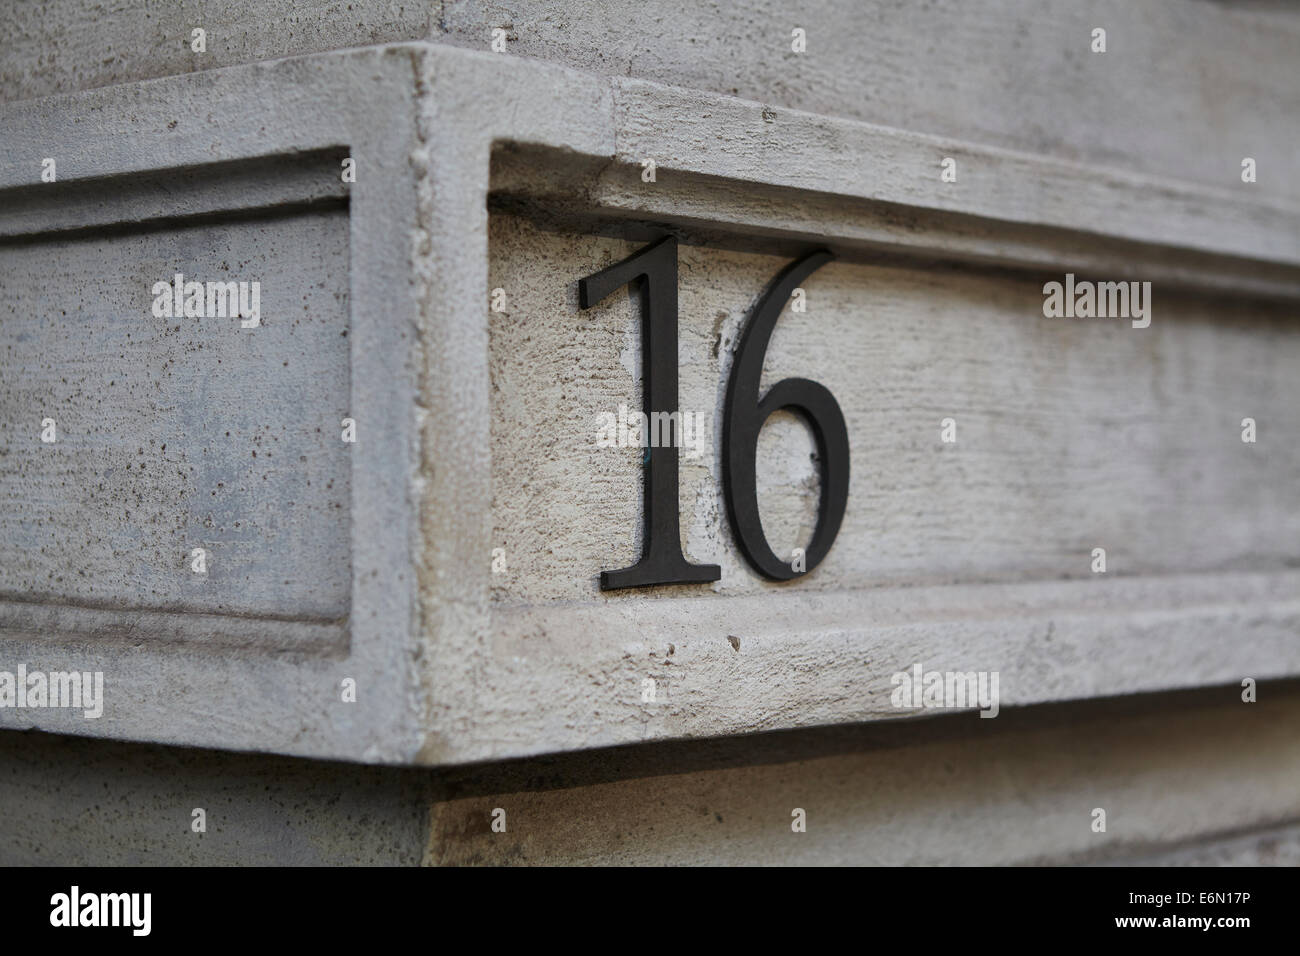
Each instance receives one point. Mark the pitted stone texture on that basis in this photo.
(71, 802)
(1070, 433)
(1000, 72)
(1173, 773)
(177, 433)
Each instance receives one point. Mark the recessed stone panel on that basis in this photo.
(1067, 434)
(177, 432)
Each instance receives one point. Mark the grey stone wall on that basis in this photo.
(519, 695)
(1188, 780)
(990, 72)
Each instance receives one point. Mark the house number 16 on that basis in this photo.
(662, 561)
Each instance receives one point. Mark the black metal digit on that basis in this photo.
(655, 267)
(743, 418)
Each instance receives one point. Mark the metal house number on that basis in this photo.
(662, 561)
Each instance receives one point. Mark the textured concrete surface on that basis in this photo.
(1167, 98)
(71, 802)
(522, 170)
(180, 433)
(1070, 434)
(154, 178)
(1188, 778)
(1168, 770)
(1271, 846)
(451, 674)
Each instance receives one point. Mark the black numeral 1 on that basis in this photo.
(655, 267)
